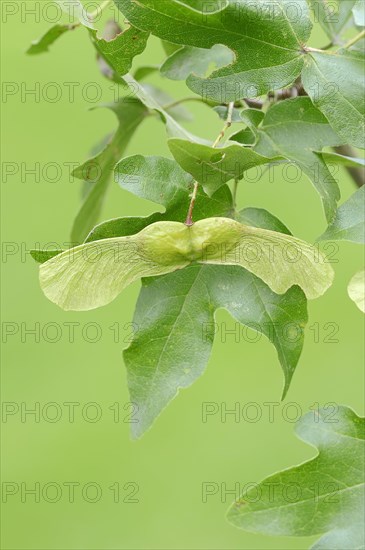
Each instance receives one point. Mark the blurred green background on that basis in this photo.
(181, 453)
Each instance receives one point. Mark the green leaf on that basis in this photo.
(120, 51)
(324, 496)
(248, 299)
(258, 217)
(171, 187)
(267, 40)
(335, 83)
(42, 44)
(98, 170)
(189, 60)
(162, 181)
(218, 205)
(176, 330)
(359, 13)
(245, 137)
(349, 222)
(295, 129)
(252, 118)
(93, 274)
(356, 290)
(212, 167)
(76, 10)
(332, 15)
(184, 322)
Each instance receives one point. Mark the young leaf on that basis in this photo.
(324, 496)
(295, 129)
(356, 290)
(98, 170)
(333, 15)
(189, 60)
(266, 39)
(359, 13)
(212, 167)
(222, 112)
(121, 50)
(75, 282)
(349, 222)
(335, 83)
(176, 330)
(42, 44)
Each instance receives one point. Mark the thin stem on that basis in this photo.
(189, 218)
(234, 193)
(98, 10)
(354, 40)
(183, 100)
(309, 49)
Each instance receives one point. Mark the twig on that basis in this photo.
(183, 100)
(227, 125)
(189, 218)
(254, 103)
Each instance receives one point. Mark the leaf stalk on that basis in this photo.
(354, 40)
(189, 218)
